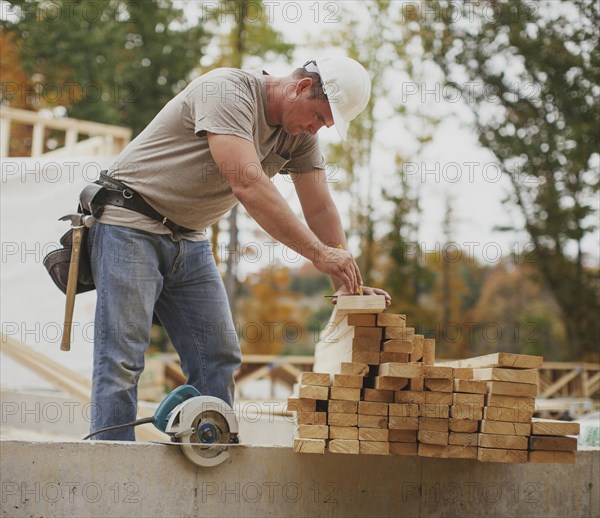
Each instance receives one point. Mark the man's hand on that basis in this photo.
(341, 266)
(366, 290)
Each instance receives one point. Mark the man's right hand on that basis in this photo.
(340, 265)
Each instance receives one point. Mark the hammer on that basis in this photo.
(78, 222)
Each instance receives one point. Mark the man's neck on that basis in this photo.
(274, 87)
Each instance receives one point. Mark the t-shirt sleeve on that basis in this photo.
(305, 156)
(222, 105)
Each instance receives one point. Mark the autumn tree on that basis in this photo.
(111, 61)
(529, 73)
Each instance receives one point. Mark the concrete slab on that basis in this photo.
(148, 480)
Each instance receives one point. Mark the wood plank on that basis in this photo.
(402, 435)
(372, 408)
(447, 452)
(439, 385)
(561, 382)
(552, 443)
(362, 319)
(506, 388)
(409, 396)
(470, 386)
(433, 425)
(343, 432)
(554, 457)
(397, 346)
(434, 410)
(470, 412)
(390, 319)
(463, 425)
(501, 374)
(403, 423)
(552, 427)
(301, 405)
(312, 418)
(346, 394)
(348, 380)
(403, 448)
(313, 431)
(315, 378)
(372, 434)
(404, 409)
(417, 384)
(507, 442)
(368, 357)
(418, 342)
(437, 371)
(372, 421)
(401, 370)
(429, 351)
(463, 439)
(366, 344)
(433, 437)
(381, 396)
(335, 419)
(440, 398)
(395, 333)
(500, 455)
(517, 415)
(368, 332)
(514, 361)
(374, 448)
(342, 407)
(463, 373)
(360, 304)
(354, 369)
(313, 392)
(344, 446)
(391, 357)
(390, 383)
(309, 446)
(468, 399)
(504, 428)
(523, 403)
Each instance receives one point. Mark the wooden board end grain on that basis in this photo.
(554, 457)
(374, 448)
(500, 455)
(309, 446)
(345, 446)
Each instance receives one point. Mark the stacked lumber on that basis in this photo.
(377, 390)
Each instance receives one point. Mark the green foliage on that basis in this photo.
(529, 72)
(116, 61)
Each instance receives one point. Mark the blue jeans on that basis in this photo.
(137, 273)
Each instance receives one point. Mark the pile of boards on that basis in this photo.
(376, 389)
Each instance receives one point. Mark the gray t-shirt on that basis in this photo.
(170, 164)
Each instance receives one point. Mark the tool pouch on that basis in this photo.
(58, 261)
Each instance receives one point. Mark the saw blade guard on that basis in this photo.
(201, 424)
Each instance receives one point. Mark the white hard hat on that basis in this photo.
(347, 86)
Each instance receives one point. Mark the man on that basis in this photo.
(215, 144)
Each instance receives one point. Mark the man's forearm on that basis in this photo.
(269, 209)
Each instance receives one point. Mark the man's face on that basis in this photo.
(303, 115)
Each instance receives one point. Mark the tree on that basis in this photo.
(529, 73)
(111, 61)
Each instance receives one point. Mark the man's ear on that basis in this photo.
(304, 84)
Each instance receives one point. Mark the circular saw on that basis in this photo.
(202, 425)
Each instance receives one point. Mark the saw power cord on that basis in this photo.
(126, 425)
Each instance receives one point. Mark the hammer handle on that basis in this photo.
(65, 344)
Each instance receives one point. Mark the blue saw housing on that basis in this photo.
(173, 399)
